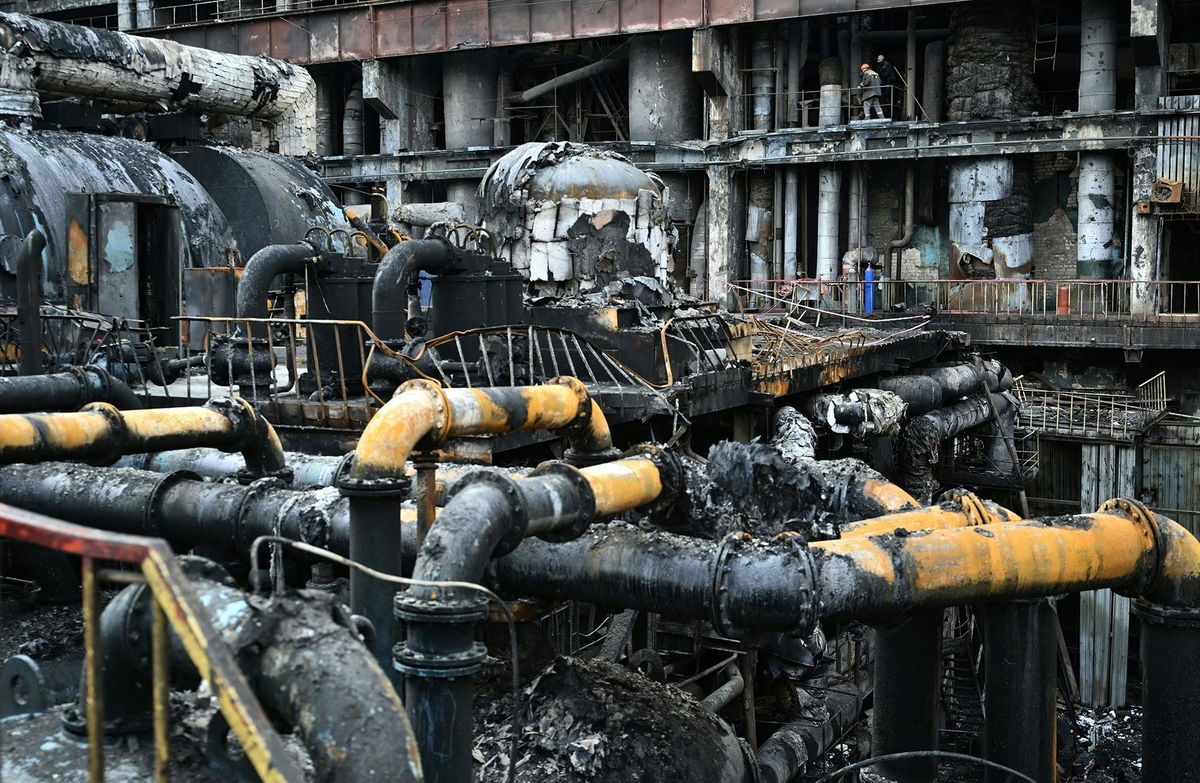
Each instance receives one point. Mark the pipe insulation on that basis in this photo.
(1097, 187)
(70, 60)
(829, 214)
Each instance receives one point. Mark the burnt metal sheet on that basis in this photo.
(356, 33)
(393, 30)
(465, 27)
(324, 35)
(404, 27)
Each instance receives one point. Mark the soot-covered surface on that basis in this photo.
(594, 721)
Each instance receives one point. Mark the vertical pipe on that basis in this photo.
(908, 673)
(1170, 648)
(352, 121)
(1019, 681)
(29, 302)
(375, 535)
(797, 55)
(469, 108)
(828, 219)
(933, 83)
(325, 115)
(761, 80)
(910, 68)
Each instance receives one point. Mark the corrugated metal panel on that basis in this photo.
(406, 27)
(1170, 485)
(1179, 158)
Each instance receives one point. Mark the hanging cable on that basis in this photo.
(260, 587)
(916, 754)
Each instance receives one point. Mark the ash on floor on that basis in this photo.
(1109, 746)
(593, 721)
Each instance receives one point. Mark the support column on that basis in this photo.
(1170, 692)
(469, 103)
(1097, 93)
(829, 187)
(1019, 648)
(325, 115)
(797, 57)
(908, 676)
(352, 121)
(721, 261)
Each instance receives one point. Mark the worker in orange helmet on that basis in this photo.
(870, 89)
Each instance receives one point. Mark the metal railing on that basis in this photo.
(176, 14)
(175, 606)
(850, 107)
(1159, 301)
(1091, 413)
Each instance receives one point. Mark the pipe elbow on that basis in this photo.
(253, 436)
(1172, 584)
(417, 409)
(590, 440)
(262, 268)
(389, 292)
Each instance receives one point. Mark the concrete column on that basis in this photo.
(664, 96)
(721, 259)
(1097, 93)
(1145, 236)
(933, 85)
(469, 103)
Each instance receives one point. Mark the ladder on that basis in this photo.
(1045, 40)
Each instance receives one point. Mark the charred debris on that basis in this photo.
(298, 490)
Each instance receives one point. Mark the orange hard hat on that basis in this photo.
(864, 67)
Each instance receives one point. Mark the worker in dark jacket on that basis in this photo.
(870, 89)
(890, 77)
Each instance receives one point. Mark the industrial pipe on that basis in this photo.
(29, 302)
(490, 514)
(163, 75)
(422, 411)
(905, 239)
(907, 695)
(934, 83)
(263, 267)
(921, 438)
(397, 274)
(570, 77)
(102, 432)
(789, 749)
(66, 391)
(301, 656)
(730, 689)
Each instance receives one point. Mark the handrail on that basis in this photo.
(174, 602)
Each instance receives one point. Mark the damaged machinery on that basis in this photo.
(292, 493)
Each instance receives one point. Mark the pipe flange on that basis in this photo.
(152, 520)
(94, 383)
(1160, 614)
(413, 609)
(118, 432)
(441, 407)
(413, 663)
(351, 486)
(252, 493)
(670, 476)
(587, 502)
(512, 492)
(737, 545)
(1139, 512)
(584, 414)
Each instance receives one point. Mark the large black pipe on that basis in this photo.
(787, 752)
(29, 302)
(439, 657)
(1019, 654)
(1170, 647)
(397, 274)
(922, 436)
(303, 660)
(177, 506)
(263, 267)
(65, 391)
(907, 681)
(935, 387)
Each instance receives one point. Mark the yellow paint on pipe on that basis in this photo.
(623, 485)
(395, 429)
(148, 428)
(888, 495)
(963, 565)
(486, 411)
(966, 511)
(61, 431)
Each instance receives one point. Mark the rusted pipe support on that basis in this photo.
(101, 432)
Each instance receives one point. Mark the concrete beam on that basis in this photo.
(383, 87)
